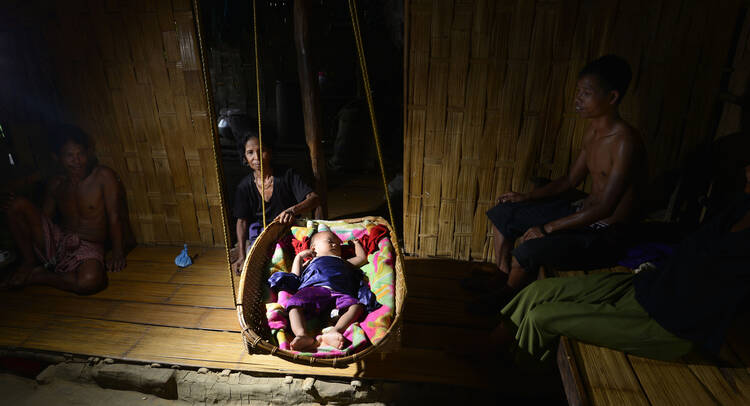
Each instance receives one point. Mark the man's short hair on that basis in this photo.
(64, 133)
(612, 72)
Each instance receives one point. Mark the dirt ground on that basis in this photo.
(15, 390)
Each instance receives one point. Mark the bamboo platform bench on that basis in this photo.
(594, 375)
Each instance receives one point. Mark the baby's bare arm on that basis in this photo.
(299, 259)
(360, 256)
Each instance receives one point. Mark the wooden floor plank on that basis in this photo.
(130, 312)
(199, 295)
(190, 344)
(211, 275)
(608, 376)
(167, 254)
(13, 337)
(220, 319)
(730, 386)
(86, 336)
(443, 311)
(60, 305)
(430, 336)
(130, 291)
(172, 316)
(23, 319)
(210, 256)
(426, 287)
(424, 365)
(145, 271)
(669, 383)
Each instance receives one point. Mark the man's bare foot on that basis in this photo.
(334, 339)
(303, 343)
(20, 277)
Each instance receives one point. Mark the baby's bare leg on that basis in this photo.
(301, 340)
(335, 337)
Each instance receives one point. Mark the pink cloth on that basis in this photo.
(66, 251)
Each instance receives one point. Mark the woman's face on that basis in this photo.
(252, 154)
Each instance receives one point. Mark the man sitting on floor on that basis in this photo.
(553, 229)
(689, 302)
(90, 202)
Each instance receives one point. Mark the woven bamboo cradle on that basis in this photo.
(251, 309)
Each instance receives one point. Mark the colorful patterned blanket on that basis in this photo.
(380, 272)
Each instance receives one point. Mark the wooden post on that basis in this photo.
(310, 103)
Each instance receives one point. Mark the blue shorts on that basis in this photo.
(591, 247)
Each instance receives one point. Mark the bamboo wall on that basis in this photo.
(489, 98)
(129, 74)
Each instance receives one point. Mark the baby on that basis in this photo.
(327, 281)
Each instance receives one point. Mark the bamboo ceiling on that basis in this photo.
(489, 90)
(129, 74)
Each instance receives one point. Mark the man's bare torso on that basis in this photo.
(81, 204)
(600, 155)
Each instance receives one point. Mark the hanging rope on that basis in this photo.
(260, 132)
(368, 92)
(215, 147)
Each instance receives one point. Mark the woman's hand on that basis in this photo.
(512, 197)
(237, 265)
(286, 216)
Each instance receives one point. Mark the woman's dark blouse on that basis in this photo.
(288, 189)
(696, 293)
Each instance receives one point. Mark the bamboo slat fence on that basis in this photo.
(489, 98)
(129, 74)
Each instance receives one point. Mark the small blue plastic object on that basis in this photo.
(183, 260)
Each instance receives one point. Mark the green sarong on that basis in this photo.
(598, 309)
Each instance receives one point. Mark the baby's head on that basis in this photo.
(325, 243)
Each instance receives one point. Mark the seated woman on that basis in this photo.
(285, 193)
(689, 303)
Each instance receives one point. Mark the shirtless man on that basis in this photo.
(90, 202)
(589, 234)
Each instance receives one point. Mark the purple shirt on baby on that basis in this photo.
(332, 272)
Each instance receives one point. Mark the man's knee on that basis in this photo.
(92, 278)
(540, 292)
(532, 254)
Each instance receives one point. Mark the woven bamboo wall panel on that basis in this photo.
(129, 74)
(489, 98)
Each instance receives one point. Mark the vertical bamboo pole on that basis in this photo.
(310, 103)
